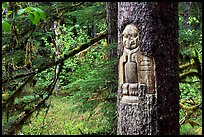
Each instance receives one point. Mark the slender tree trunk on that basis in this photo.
(112, 39)
(94, 29)
(186, 12)
(74, 30)
(148, 91)
(112, 27)
(57, 32)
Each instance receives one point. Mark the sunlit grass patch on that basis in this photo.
(61, 121)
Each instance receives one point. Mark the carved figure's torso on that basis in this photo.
(136, 71)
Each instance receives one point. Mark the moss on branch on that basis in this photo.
(191, 73)
(185, 66)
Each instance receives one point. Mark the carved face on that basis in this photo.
(130, 37)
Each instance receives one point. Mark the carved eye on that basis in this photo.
(125, 35)
(134, 35)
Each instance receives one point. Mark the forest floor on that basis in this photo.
(60, 120)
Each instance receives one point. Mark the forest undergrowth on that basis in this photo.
(62, 120)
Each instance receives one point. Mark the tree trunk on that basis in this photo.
(112, 27)
(57, 33)
(75, 35)
(112, 36)
(112, 40)
(148, 90)
(186, 14)
(94, 29)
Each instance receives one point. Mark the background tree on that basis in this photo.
(112, 19)
(112, 40)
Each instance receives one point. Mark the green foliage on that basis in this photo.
(186, 129)
(90, 86)
(5, 26)
(190, 40)
(60, 120)
(36, 42)
(34, 13)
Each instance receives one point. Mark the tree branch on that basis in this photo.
(61, 60)
(190, 82)
(66, 9)
(188, 74)
(22, 119)
(184, 66)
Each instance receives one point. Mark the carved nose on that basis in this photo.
(129, 37)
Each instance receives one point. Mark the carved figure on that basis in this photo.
(136, 71)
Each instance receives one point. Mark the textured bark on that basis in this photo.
(112, 38)
(158, 113)
(112, 26)
(186, 14)
(112, 35)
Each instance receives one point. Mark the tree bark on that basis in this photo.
(156, 110)
(112, 27)
(186, 14)
(112, 39)
(57, 48)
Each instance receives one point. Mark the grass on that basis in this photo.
(61, 121)
(187, 129)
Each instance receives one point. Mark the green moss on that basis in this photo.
(187, 129)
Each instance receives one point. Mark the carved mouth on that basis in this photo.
(132, 43)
